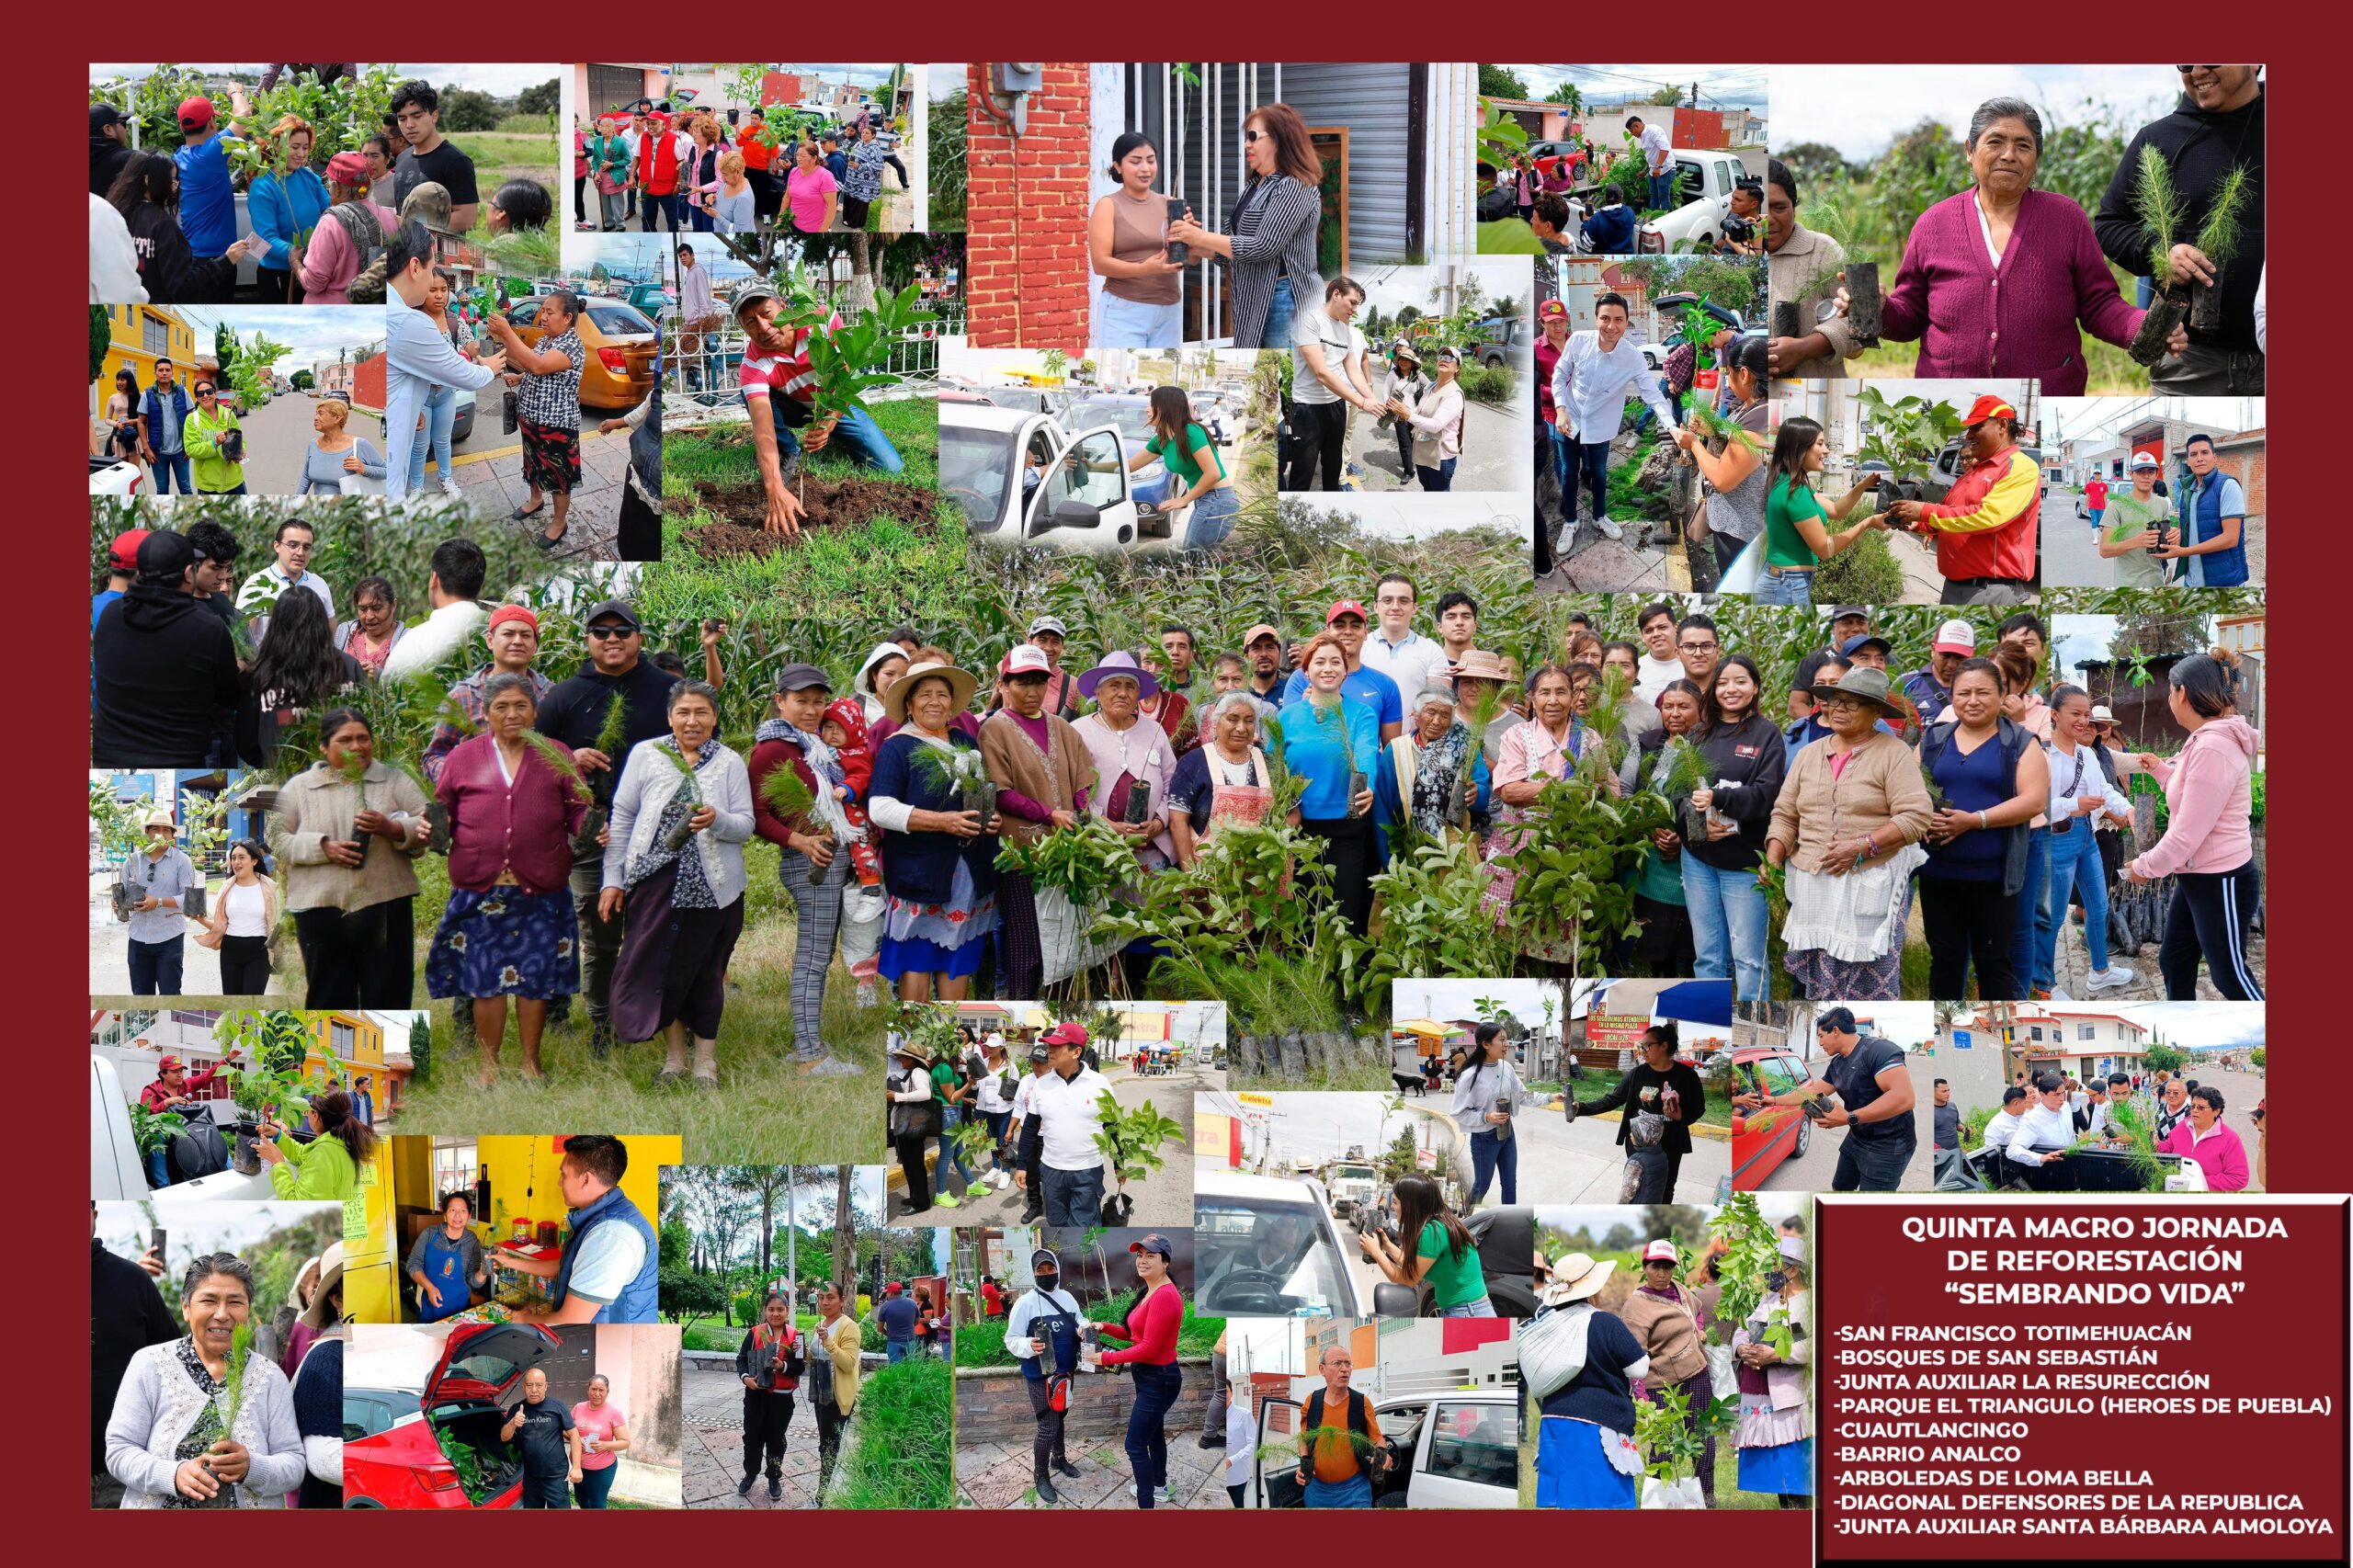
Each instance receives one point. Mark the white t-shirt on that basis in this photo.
(604, 1262)
(1414, 664)
(1655, 142)
(246, 908)
(1241, 1440)
(1336, 338)
(1655, 676)
(1067, 1119)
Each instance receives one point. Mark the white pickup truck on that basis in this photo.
(1706, 179)
(116, 1171)
(1022, 479)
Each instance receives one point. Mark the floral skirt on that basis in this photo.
(937, 939)
(1870, 979)
(504, 942)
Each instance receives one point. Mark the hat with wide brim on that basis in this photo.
(317, 1314)
(160, 817)
(1477, 664)
(1122, 664)
(1576, 1278)
(961, 687)
(1864, 684)
(913, 1053)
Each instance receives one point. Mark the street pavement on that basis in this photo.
(489, 470)
(713, 1461)
(998, 1475)
(278, 435)
(1490, 458)
(1923, 584)
(1164, 1198)
(2071, 557)
(110, 949)
(1579, 1162)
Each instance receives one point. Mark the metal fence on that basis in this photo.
(699, 386)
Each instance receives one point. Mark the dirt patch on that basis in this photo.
(849, 502)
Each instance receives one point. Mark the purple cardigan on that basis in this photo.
(492, 826)
(1972, 319)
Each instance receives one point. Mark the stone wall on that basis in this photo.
(993, 1406)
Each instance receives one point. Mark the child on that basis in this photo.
(843, 729)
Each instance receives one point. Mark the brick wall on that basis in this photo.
(2245, 464)
(1026, 218)
(993, 1406)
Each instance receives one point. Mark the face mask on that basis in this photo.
(1047, 1281)
(1776, 1278)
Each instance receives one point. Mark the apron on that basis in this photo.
(445, 1265)
(1245, 803)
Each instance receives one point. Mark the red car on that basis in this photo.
(1761, 1140)
(392, 1454)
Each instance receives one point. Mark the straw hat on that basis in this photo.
(160, 817)
(918, 1054)
(1576, 1278)
(1478, 665)
(961, 687)
(314, 1313)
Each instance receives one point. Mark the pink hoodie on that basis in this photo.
(2207, 803)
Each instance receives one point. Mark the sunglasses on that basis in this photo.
(2186, 69)
(1250, 136)
(603, 633)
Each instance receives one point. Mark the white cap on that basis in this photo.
(2101, 715)
(1955, 637)
(1024, 658)
(2145, 459)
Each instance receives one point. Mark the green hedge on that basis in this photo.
(982, 1344)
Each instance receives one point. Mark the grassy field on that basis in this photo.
(501, 156)
(766, 1111)
(901, 1451)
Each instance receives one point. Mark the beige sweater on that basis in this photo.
(1880, 786)
(1670, 1332)
(318, 805)
(842, 1343)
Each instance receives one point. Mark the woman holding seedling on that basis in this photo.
(1797, 526)
(201, 1422)
(1735, 476)
(674, 858)
(1269, 243)
(1434, 775)
(515, 801)
(284, 203)
(326, 1169)
(1196, 476)
(931, 798)
(800, 792)
(1436, 419)
(1742, 765)
(1585, 1456)
(1226, 778)
(1661, 906)
(2002, 279)
(1333, 742)
(1533, 755)
(1044, 775)
(1127, 235)
(351, 826)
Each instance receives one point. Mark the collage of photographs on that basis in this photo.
(1122, 730)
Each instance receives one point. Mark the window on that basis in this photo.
(1477, 1442)
(2034, 1031)
(455, 1166)
(340, 1037)
(2087, 1032)
(154, 334)
(1776, 1074)
(1090, 474)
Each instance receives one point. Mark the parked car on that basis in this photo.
(394, 1453)
(1022, 477)
(1762, 1139)
(1704, 181)
(1500, 340)
(116, 476)
(621, 346)
(1267, 1246)
(1453, 1449)
(1933, 485)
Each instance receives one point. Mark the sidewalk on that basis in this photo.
(713, 1458)
(493, 482)
(999, 1475)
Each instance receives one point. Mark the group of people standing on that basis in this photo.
(685, 167)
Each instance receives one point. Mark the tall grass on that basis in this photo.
(900, 1452)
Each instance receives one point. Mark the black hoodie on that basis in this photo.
(165, 680)
(575, 711)
(2202, 148)
(107, 158)
(167, 267)
(127, 1315)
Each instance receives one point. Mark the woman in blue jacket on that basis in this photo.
(284, 201)
(1327, 737)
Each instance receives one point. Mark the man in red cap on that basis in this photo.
(1346, 621)
(122, 565)
(173, 1088)
(660, 150)
(1984, 526)
(208, 202)
(1066, 1102)
(512, 633)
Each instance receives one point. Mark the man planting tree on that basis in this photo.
(780, 389)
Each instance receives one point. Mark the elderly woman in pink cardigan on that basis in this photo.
(1997, 279)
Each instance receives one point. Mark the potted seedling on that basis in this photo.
(791, 799)
(673, 838)
(2159, 206)
(2218, 240)
(1832, 216)
(960, 772)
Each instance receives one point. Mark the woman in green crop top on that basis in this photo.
(1797, 526)
(1196, 476)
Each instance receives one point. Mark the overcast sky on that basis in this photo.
(940, 80)
(1390, 288)
(190, 1229)
(647, 255)
(2097, 419)
(1860, 109)
(1308, 1127)
(315, 332)
(1721, 86)
(498, 81)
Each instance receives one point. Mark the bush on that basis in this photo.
(902, 1444)
(685, 1293)
(464, 108)
(1864, 574)
(1485, 384)
(944, 156)
(524, 124)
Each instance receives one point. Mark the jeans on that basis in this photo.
(1046, 1448)
(1156, 1391)
(1785, 588)
(595, 1485)
(440, 420)
(156, 967)
(1560, 445)
(1438, 478)
(2207, 918)
(1127, 323)
(950, 1151)
(897, 1350)
(167, 465)
(1319, 433)
(1072, 1198)
(1282, 318)
(650, 204)
(1590, 463)
(1356, 1491)
(2075, 865)
(1212, 518)
(1662, 189)
(856, 437)
(1481, 1308)
(1728, 921)
(1491, 1154)
(2038, 874)
(546, 1491)
(1876, 1167)
(999, 1120)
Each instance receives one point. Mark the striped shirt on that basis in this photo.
(788, 373)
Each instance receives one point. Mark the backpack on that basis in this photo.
(1359, 1423)
(2013, 738)
(367, 231)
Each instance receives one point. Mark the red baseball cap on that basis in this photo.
(1989, 406)
(196, 112)
(1550, 309)
(170, 1063)
(123, 554)
(1064, 1034)
(1345, 607)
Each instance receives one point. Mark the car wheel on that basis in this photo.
(1805, 1137)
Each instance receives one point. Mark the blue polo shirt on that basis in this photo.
(897, 1318)
(208, 205)
(1369, 687)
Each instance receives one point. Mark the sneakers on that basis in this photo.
(2055, 995)
(947, 1200)
(743, 1487)
(1609, 528)
(2108, 979)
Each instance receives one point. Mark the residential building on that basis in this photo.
(140, 336)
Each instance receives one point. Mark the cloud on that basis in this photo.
(1860, 109)
(498, 81)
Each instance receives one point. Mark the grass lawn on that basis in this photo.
(900, 1450)
(501, 155)
(766, 1112)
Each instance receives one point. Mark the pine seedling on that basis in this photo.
(1702, 415)
(2159, 206)
(2219, 236)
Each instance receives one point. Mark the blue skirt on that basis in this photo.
(504, 942)
(1572, 1471)
(937, 939)
(1784, 1467)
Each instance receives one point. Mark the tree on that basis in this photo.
(420, 1034)
(766, 1185)
(300, 380)
(2158, 631)
(1811, 161)
(540, 98)
(101, 338)
(843, 1236)
(1668, 97)
(465, 109)
(2255, 1059)
(686, 1295)
(1502, 82)
(2159, 1057)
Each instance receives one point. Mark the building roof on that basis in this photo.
(2244, 438)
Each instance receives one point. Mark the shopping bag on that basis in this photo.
(1063, 941)
(1742, 578)
(1682, 1494)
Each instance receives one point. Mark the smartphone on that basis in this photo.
(1176, 252)
(155, 1236)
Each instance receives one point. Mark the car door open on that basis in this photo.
(1086, 491)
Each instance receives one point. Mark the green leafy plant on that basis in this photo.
(1702, 415)
(233, 1378)
(1905, 432)
(479, 1465)
(847, 363)
(1752, 1250)
(1577, 841)
(2219, 235)
(1432, 922)
(1132, 1139)
(1675, 1443)
(152, 1130)
(787, 794)
(1089, 863)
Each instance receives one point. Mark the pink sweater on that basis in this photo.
(330, 261)
(2220, 1153)
(2208, 803)
(1975, 319)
